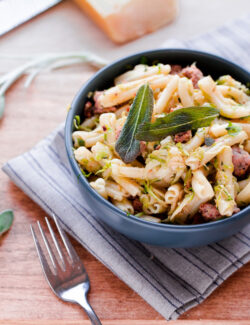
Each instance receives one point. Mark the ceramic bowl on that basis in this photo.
(148, 232)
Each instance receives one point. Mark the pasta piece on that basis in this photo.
(244, 126)
(153, 202)
(196, 141)
(204, 154)
(101, 152)
(115, 191)
(141, 71)
(227, 106)
(122, 169)
(150, 219)
(166, 167)
(87, 138)
(201, 186)
(242, 184)
(231, 82)
(217, 130)
(122, 93)
(185, 91)
(236, 186)
(166, 94)
(129, 172)
(125, 205)
(224, 191)
(199, 98)
(165, 143)
(203, 192)
(86, 159)
(243, 198)
(89, 123)
(173, 195)
(128, 185)
(237, 94)
(247, 146)
(108, 124)
(99, 186)
(151, 206)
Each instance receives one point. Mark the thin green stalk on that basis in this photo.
(34, 66)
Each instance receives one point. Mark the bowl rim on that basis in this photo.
(83, 179)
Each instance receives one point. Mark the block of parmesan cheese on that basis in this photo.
(125, 20)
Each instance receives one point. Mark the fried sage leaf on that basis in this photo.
(6, 219)
(140, 112)
(183, 119)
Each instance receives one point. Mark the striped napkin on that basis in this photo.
(170, 280)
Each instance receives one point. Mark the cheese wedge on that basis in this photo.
(125, 20)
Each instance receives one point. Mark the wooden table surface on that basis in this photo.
(30, 115)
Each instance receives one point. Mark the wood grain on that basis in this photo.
(128, 322)
(30, 115)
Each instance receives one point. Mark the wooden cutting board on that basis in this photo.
(31, 114)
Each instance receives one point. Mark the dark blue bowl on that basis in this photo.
(131, 226)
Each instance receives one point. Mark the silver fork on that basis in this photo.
(68, 280)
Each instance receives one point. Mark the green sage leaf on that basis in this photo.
(183, 119)
(6, 219)
(2, 104)
(141, 110)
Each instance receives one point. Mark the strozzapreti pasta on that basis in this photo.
(189, 177)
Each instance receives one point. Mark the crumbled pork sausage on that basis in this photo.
(209, 212)
(92, 109)
(192, 73)
(88, 109)
(241, 161)
(97, 94)
(118, 132)
(175, 69)
(137, 205)
(143, 146)
(236, 210)
(183, 136)
(101, 110)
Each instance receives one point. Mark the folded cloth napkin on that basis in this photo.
(170, 280)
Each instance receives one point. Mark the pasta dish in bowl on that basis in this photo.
(165, 143)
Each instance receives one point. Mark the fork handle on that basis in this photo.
(89, 311)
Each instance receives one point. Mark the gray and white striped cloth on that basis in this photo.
(170, 280)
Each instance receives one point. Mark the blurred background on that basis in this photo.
(178, 19)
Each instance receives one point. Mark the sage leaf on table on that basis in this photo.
(6, 219)
(181, 120)
(140, 112)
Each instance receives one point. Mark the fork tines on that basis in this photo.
(62, 257)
